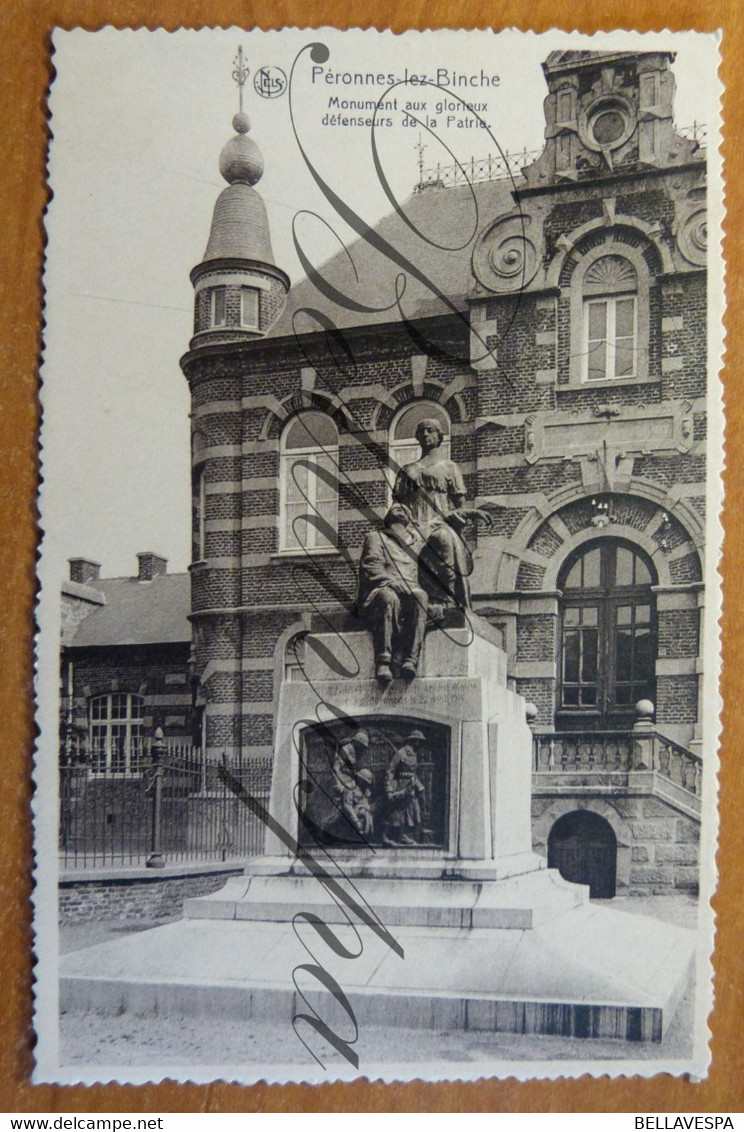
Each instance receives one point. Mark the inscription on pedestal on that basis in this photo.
(375, 781)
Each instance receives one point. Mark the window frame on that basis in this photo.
(579, 295)
(214, 294)
(607, 596)
(199, 546)
(254, 294)
(316, 543)
(610, 339)
(130, 723)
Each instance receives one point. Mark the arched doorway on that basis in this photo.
(607, 636)
(583, 847)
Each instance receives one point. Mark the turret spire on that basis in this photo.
(240, 291)
(240, 74)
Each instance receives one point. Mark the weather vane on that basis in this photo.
(240, 74)
(420, 147)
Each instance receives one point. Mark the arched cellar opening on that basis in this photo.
(583, 848)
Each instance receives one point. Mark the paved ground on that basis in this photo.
(132, 1041)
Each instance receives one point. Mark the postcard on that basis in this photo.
(378, 656)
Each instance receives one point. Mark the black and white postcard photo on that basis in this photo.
(378, 654)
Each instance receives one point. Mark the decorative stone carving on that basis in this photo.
(405, 794)
(692, 237)
(610, 273)
(607, 123)
(375, 780)
(505, 259)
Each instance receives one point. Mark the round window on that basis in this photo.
(607, 123)
(608, 126)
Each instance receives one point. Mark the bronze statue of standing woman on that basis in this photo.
(433, 491)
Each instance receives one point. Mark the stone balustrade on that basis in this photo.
(618, 752)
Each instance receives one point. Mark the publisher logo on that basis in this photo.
(270, 82)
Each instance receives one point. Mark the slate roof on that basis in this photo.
(240, 228)
(139, 613)
(452, 216)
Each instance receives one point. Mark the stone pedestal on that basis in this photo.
(460, 696)
(463, 929)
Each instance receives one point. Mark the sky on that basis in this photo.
(138, 120)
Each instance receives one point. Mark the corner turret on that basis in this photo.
(239, 292)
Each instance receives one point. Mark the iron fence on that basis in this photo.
(501, 166)
(489, 168)
(171, 801)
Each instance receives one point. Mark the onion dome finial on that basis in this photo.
(241, 160)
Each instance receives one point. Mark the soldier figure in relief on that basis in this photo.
(362, 803)
(405, 793)
(346, 791)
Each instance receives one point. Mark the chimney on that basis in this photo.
(84, 571)
(150, 566)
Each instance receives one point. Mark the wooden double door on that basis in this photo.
(607, 639)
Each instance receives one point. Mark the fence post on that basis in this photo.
(156, 860)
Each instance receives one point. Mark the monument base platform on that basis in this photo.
(528, 954)
(471, 932)
(401, 893)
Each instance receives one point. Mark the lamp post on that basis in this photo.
(156, 860)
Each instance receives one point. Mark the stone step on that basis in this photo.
(513, 903)
(603, 973)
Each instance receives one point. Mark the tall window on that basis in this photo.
(218, 306)
(199, 497)
(116, 733)
(607, 634)
(610, 319)
(404, 448)
(309, 504)
(249, 307)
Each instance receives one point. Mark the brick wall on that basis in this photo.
(678, 631)
(250, 393)
(536, 636)
(676, 699)
(146, 898)
(542, 694)
(153, 671)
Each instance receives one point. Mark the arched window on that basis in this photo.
(610, 319)
(294, 657)
(309, 504)
(116, 733)
(404, 447)
(608, 649)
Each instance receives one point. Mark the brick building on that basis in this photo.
(126, 649)
(559, 339)
(553, 322)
